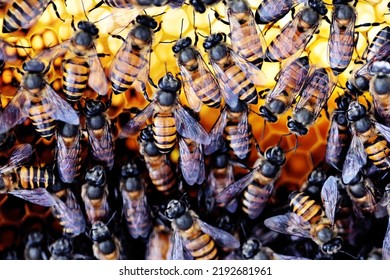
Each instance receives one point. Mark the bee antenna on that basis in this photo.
(181, 27)
(243, 230)
(263, 130)
(348, 254)
(85, 13)
(99, 20)
(111, 218)
(208, 16)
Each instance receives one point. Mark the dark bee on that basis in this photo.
(369, 140)
(158, 164)
(135, 206)
(308, 220)
(289, 83)
(100, 137)
(81, 64)
(68, 152)
(236, 76)
(233, 127)
(37, 100)
(270, 11)
(313, 185)
(342, 40)
(131, 62)
(257, 186)
(95, 194)
(22, 14)
(169, 118)
(68, 212)
(313, 97)
(246, 39)
(380, 89)
(193, 238)
(15, 175)
(297, 33)
(35, 247)
(61, 249)
(339, 136)
(105, 245)
(199, 83)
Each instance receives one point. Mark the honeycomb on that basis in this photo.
(17, 218)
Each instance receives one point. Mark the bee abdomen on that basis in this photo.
(305, 207)
(254, 199)
(41, 119)
(162, 175)
(164, 131)
(32, 177)
(200, 245)
(75, 78)
(378, 152)
(240, 143)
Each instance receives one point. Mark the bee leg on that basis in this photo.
(144, 91)
(326, 111)
(96, 6)
(263, 93)
(56, 10)
(72, 24)
(218, 17)
(116, 36)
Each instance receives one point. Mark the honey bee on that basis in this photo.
(132, 61)
(313, 97)
(313, 185)
(35, 247)
(289, 83)
(339, 136)
(158, 164)
(297, 33)
(308, 220)
(169, 118)
(15, 175)
(380, 89)
(200, 85)
(193, 238)
(381, 38)
(247, 41)
(135, 205)
(236, 76)
(81, 64)
(100, 136)
(24, 14)
(68, 212)
(342, 39)
(68, 152)
(37, 100)
(105, 245)
(369, 140)
(257, 186)
(270, 11)
(61, 249)
(232, 125)
(94, 194)
(191, 161)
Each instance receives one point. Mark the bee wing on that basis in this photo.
(60, 109)
(289, 223)
(242, 126)
(332, 146)
(227, 91)
(329, 195)
(67, 157)
(97, 77)
(176, 249)
(233, 190)
(52, 53)
(384, 130)
(188, 127)
(19, 156)
(38, 196)
(4, 55)
(253, 73)
(221, 237)
(16, 111)
(216, 133)
(386, 244)
(103, 143)
(188, 84)
(355, 159)
(135, 124)
(191, 163)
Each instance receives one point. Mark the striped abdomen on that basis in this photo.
(381, 38)
(75, 77)
(382, 104)
(102, 144)
(32, 177)
(161, 174)
(305, 207)
(199, 244)
(126, 68)
(378, 151)
(255, 198)
(164, 131)
(68, 157)
(121, 3)
(22, 14)
(239, 141)
(40, 115)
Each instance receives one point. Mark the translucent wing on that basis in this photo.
(386, 244)
(226, 85)
(221, 237)
(37, 196)
(329, 195)
(332, 145)
(355, 159)
(191, 162)
(216, 133)
(52, 53)
(384, 130)
(97, 77)
(188, 127)
(135, 124)
(5, 56)
(16, 111)
(233, 190)
(289, 223)
(67, 157)
(19, 156)
(243, 126)
(272, 11)
(193, 100)
(61, 110)
(176, 249)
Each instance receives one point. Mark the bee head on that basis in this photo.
(147, 21)
(238, 6)
(169, 83)
(181, 44)
(35, 237)
(357, 84)
(94, 107)
(175, 209)
(213, 39)
(99, 232)
(67, 129)
(275, 155)
(310, 17)
(356, 111)
(130, 169)
(198, 6)
(332, 246)
(96, 176)
(62, 246)
(344, 12)
(318, 6)
(250, 248)
(317, 176)
(88, 27)
(267, 114)
(343, 101)
(160, 3)
(34, 66)
(220, 160)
